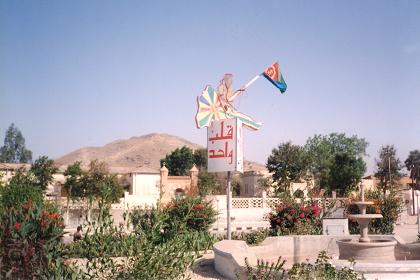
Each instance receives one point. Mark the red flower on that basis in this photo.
(315, 209)
(278, 221)
(289, 217)
(17, 226)
(54, 216)
(302, 215)
(292, 211)
(198, 207)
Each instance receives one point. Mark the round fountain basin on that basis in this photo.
(376, 249)
(363, 202)
(364, 216)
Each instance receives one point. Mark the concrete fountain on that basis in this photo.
(366, 248)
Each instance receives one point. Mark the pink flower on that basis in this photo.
(302, 215)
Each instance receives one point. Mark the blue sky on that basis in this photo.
(85, 73)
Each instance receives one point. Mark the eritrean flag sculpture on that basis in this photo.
(273, 74)
(217, 105)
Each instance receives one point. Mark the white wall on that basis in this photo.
(145, 184)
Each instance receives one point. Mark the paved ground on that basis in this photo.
(204, 268)
(408, 232)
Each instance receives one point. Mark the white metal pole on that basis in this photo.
(243, 88)
(229, 203)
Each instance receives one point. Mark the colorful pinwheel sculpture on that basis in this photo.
(212, 106)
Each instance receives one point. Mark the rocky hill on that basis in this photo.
(125, 155)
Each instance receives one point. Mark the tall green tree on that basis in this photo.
(388, 168)
(179, 162)
(73, 173)
(288, 163)
(208, 184)
(346, 173)
(322, 150)
(43, 170)
(97, 184)
(412, 163)
(14, 149)
(200, 159)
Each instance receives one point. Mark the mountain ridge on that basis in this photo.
(129, 154)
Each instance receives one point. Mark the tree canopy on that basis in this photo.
(200, 159)
(179, 161)
(14, 149)
(288, 163)
(388, 168)
(412, 163)
(43, 170)
(323, 150)
(208, 183)
(97, 184)
(334, 161)
(345, 173)
(73, 173)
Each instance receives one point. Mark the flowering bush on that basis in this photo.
(296, 218)
(29, 236)
(190, 213)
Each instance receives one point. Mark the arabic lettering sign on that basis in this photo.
(224, 146)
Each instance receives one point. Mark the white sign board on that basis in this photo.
(225, 146)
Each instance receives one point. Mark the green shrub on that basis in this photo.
(151, 223)
(18, 191)
(190, 215)
(30, 237)
(296, 218)
(160, 247)
(168, 260)
(254, 237)
(323, 269)
(264, 270)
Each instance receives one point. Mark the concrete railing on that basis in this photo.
(271, 202)
(128, 201)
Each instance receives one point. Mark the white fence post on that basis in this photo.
(264, 199)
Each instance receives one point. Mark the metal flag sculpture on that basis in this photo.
(212, 106)
(217, 105)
